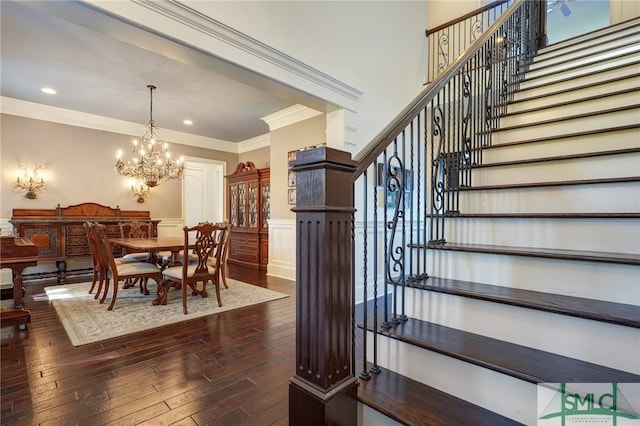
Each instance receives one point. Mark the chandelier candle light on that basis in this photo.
(152, 161)
(31, 182)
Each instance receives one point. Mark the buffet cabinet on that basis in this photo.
(59, 233)
(248, 209)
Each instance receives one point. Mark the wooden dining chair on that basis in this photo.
(93, 250)
(118, 271)
(202, 241)
(135, 229)
(225, 253)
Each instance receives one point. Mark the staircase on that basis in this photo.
(539, 280)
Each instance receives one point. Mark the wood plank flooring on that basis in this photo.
(228, 369)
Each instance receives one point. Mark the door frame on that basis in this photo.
(214, 185)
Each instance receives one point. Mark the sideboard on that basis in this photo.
(59, 233)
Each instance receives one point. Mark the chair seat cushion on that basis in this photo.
(121, 260)
(175, 272)
(140, 257)
(134, 268)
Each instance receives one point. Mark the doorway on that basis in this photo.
(203, 189)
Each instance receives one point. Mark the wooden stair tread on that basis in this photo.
(558, 158)
(597, 310)
(570, 102)
(534, 79)
(590, 256)
(574, 88)
(413, 403)
(563, 118)
(578, 134)
(524, 185)
(522, 362)
(613, 215)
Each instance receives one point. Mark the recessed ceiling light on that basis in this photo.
(187, 122)
(49, 90)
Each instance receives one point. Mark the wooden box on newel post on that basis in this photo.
(323, 390)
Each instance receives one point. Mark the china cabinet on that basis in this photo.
(248, 193)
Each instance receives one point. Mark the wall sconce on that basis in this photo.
(140, 190)
(32, 182)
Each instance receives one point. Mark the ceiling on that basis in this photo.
(101, 65)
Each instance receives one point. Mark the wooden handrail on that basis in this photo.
(369, 153)
(467, 16)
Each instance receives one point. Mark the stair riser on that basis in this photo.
(570, 126)
(576, 73)
(534, 88)
(578, 338)
(613, 235)
(607, 166)
(583, 63)
(620, 139)
(369, 416)
(566, 277)
(577, 51)
(553, 112)
(494, 391)
(587, 39)
(577, 95)
(600, 198)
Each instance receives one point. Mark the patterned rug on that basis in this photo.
(87, 321)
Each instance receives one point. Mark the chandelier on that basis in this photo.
(151, 162)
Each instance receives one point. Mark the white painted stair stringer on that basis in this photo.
(616, 283)
(598, 167)
(602, 235)
(574, 337)
(597, 142)
(500, 393)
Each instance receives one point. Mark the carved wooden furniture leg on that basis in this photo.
(106, 289)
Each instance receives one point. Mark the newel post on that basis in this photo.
(323, 390)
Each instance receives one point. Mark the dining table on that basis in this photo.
(153, 246)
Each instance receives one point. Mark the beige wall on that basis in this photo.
(441, 11)
(80, 168)
(259, 157)
(302, 134)
(623, 10)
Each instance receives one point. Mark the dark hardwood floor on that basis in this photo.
(228, 369)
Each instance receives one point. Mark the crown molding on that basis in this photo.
(254, 143)
(288, 116)
(53, 114)
(210, 27)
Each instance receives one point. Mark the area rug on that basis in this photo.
(87, 321)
